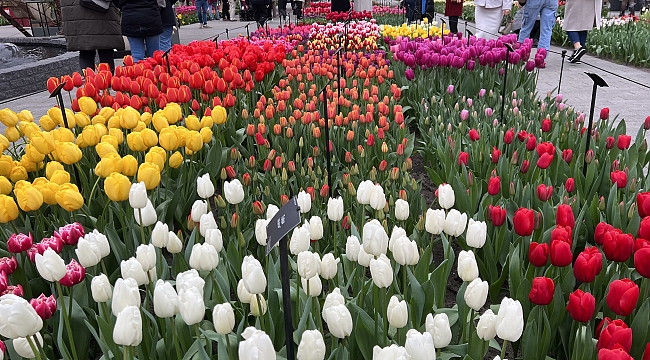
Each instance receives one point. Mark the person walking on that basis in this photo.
(453, 9)
(580, 16)
(260, 11)
(232, 5)
(142, 26)
(546, 10)
(213, 9)
(168, 17)
(91, 33)
(202, 13)
(488, 14)
(225, 10)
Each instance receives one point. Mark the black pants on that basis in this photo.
(225, 13)
(260, 13)
(87, 58)
(282, 8)
(453, 24)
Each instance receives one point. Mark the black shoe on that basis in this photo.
(578, 55)
(573, 55)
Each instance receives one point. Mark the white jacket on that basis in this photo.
(491, 4)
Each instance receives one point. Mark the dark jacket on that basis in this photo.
(168, 15)
(86, 29)
(140, 18)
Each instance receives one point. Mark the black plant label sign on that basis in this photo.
(282, 223)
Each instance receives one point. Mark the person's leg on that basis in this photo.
(87, 59)
(205, 14)
(623, 7)
(583, 38)
(232, 9)
(547, 22)
(106, 57)
(153, 44)
(137, 48)
(166, 38)
(216, 11)
(531, 10)
(453, 24)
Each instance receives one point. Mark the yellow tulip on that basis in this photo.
(129, 165)
(149, 137)
(182, 135)
(141, 126)
(51, 167)
(60, 177)
(28, 128)
(81, 119)
(81, 143)
(173, 113)
(175, 160)
(4, 143)
(8, 209)
(114, 122)
(149, 174)
(26, 116)
(159, 121)
(206, 134)
(219, 115)
(56, 115)
(90, 135)
(48, 190)
(63, 134)
(193, 123)
(29, 198)
(29, 165)
(69, 198)
(68, 153)
(18, 172)
(117, 187)
(5, 186)
(12, 134)
(43, 142)
(87, 105)
(8, 118)
(117, 134)
(168, 139)
(33, 154)
(108, 165)
(135, 142)
(106, 113)
(129, 118)
(98, 119)
(104, 148)
(6, 165)
(69, 115)
(47, 123)
(146, 118)
(156, 157)
(101, 129)
(194, 141)
(21, 184)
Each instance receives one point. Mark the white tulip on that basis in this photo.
(467, 266)
(207, 222)
(165, 300)
(476, 233)
(476, 294)
(242, 294)
(300, 239)
(138, 195)
(377, 198)
(149, 216)
(397, 233)
(446, 197)
(455, 223)
(199, 208)
(316, 228)
(401, 210)
(204, 186)
(50, 265)
(125, 293)
(329, 266)
(146, 256)
(392, 352)
(352, 247)
(308, 264)
(375, 239)
(315, 286)
(189, 279)
(160, 235)
(255, 307)
(381, 271)
(253, 275)
(256, 345)
(397, 313)
(233, 191)
(364, 258)
(214, 238)
(204, 257)
(435, 221)
(335, 208)
(485, 328)
(19, 319)
(304, 202)
(191, 306)
(420, 345)
(260, 231)
(510, 320)
(101, 240)
(334, 298)
(271, 210)
(22, 347)
(312, 346)
(174, 245)
(88, 253)
(128, 327)
(339, 320)
(133, 269)
(223, 318)
(364, 191)
(438, 327)
(405, 251)
(101, 288)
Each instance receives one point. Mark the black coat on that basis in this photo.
(168, 15)
(87, 29)
(141, 18)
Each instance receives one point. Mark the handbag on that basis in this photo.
(96, 5)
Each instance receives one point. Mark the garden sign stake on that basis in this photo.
(505, 79)
(598, 81)
(59, 98)
(559, 84)
(166, 57)
(328, 154)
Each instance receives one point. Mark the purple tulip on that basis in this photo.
(469, 102)
(464, 115)
(558, 98)
(488, 112)
(450, 89)
(410, 74)
(481, 93)
(471, 65)
(530, 65)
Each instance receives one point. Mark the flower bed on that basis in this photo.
(186, 15)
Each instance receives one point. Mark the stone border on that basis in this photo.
(32, 77)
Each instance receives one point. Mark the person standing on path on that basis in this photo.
(142, 25)
(168, 17)
(91, 32)
(453, 9)
(546, 10)
(260, 11)
(232, 4)
(580, 16)
(202, 13)
(488, 14)
(213, 9)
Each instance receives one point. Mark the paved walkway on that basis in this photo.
(629, 100)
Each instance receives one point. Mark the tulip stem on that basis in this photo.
(141, 226)
(384, 306)
(103, 267)
(404, 283)
(176, 342)
(67, 320)
(37, 355)
(334, 341)
(92, 191)
(14, 227)
(125, 352)
(374, 305)
(228, 345)
(198, 336)
(503, 349)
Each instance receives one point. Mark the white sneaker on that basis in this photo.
(200, 26)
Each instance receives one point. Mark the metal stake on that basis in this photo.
(598, 81)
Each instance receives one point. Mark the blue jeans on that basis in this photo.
(214, 11)
(577, 36)
(141, 45)
(202, 11)
(546, 10)
(166, 38)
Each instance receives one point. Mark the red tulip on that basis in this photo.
(623, 141)
(609, 142)
(561, 255)
(604, 113)
(70, 233)
(522, 135)
(74, 275)
(15, 290)
(546, 125)
(588, 265)
(4, 281)
(545, 148)
(8, 265)
(564, 216)
(619, 178)
(616, 332)
(509, 136)
(542, 291)
(603, 228)
(463, 158)
(538, 254)
(567, 155)
(45, 306)
(497, 215)
(642, 261)
(3, 349)
(618, 353)
(646, 353)
(563, 233)
(622, 296)
(494, 185)
(544, 192)
(52, 83)
(544, 161)
(640, 243)
(524, 166)
(618, 246)
(524, 221)
(18, 243)
(581, 305)
(496, 154)
(643, 204)
(473, 135)
(644, 228)
(570, 185)
(54, 243)
(531, 143)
